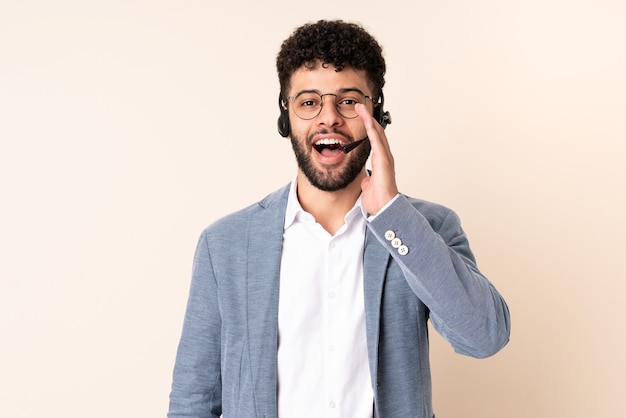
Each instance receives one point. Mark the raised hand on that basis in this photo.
(379, 188)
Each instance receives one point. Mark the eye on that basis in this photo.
(347, 101)
(307, 100)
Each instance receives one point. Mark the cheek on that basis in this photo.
(299, 130)
(358, 130)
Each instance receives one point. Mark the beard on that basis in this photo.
(330, 178)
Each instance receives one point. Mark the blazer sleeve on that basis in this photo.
(196, 385)
(428, 243)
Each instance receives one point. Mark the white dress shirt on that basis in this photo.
(323, 368)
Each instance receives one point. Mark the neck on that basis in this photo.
(328, 208)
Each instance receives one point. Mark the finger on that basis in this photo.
(375, 132)
(366, 117)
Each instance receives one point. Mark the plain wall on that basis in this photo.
(128, 126)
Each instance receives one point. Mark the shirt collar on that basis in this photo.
(293, 205)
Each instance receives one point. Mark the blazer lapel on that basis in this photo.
(375, 262)
(263, 252)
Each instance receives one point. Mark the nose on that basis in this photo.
(329, 114)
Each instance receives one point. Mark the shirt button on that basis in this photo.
(396, 242)
(403, 250)
(332, 295)
(332, 404)
(389, 235)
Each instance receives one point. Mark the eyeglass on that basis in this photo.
(307, 104)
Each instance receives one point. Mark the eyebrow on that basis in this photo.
(340, 91)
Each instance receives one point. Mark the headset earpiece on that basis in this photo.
(283, 119)
(384, 118)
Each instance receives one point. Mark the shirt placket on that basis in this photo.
(331, 327)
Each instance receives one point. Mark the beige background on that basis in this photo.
(128, 126)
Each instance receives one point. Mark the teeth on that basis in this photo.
(327, 141)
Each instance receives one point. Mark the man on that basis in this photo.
(314, 302)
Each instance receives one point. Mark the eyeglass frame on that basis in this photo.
(284, 103)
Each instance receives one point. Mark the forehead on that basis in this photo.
(327, 80)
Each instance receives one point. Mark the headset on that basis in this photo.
(383, 118)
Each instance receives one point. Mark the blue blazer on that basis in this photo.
(226, 360)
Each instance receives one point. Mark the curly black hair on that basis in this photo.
(335, 42)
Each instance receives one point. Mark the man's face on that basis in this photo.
(326, 168)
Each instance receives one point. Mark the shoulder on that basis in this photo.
(435, 213)
(239, 221)
(426, 206)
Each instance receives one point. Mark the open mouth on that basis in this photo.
(328, 146)
(332, 146)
